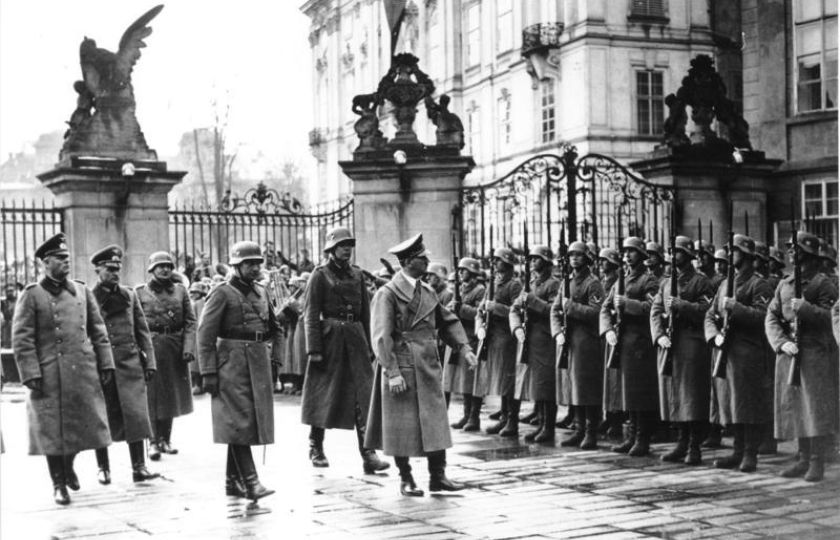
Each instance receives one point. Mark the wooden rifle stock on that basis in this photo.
(720, 354)
(563, 353)
(614, 358)
(667, 367)
(794, 375)
(522, 347)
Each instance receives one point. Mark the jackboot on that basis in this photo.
(697, 434)
(165, 440)
(738, 444)
(437, 474)
(547, 433)
(234, 487)
(511, 428)
(498, 414)
(474, 421)
(102, 461)
(502, 418)
(629, 438)
(316, 447)
(752, 440)
(447, 396)
(254, 490)
(769, 446)
(616, 424)
(713, 439)
(371, 463)
(70, 474)
(579, 425)
(528, 418)
(154, 449)
(408, 487)
(539, 407)
(139, 472)
(55, 464)
(568, 420)
(590, 436)
(679, 452)
(816, 466)
(803, 463)
(467, 409)
(645, 423)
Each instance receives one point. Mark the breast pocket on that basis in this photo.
(405, 356)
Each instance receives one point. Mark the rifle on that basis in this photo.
(563, 251)
(720, 354)
(522, 348)
(794, 375)
(489, 294)
(746, 223)
(449, 356)
(667, 368)
(614, 359)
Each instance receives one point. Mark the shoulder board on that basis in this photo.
(140, 286)
(30, 286)
(79, 281)
(320, 267)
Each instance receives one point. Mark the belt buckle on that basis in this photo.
(259, 336)
(350, 317)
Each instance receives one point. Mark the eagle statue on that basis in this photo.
(104, 123)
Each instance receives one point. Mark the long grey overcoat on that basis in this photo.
(809, 410)
(745, 396)
(58, 335)
(457, 376)
(684, 395)
(169, 307)
(540, 361)
(131, 344)
(405, 336)
(243, 410)
(613, 398)
(497, 375)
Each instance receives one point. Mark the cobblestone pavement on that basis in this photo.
(518, 491)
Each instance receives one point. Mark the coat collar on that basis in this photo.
(405, 292)
(242, 286)
(158, 286)
(55, 287)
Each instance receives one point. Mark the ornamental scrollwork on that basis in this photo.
(261, 200)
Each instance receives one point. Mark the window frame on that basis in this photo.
(473, 12)
(504, 106)
(500, 22)
(821, 19)
(823, 183)
(655, 128)
(548, 122)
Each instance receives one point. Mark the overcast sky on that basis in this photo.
(255, 51)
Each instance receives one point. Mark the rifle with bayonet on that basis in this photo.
(489, 295)
(563, 251)
(720, 353)
(449, 356)
(522, 347)
(794, 375)
(614, 358)
(667, 366)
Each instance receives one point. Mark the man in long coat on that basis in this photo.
(610, 262)
(636, 357)
(745, 395)
(134, 358)
(501, 345)
(339, 374)
(64, 357)
(541, 350)
(171, 319)
(234, 357)
(808, 412)
(408, 411)
(574, 325)
(676, 325)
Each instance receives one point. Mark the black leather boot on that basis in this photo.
(70, 474)
(474, 421)
(254, 490)
(734, 460)
(154, 449)
(55, 464)
(550, 414)
(496, 416)
(539, 407)
(568, 420)
(316, 447)
(234, 486)
(511, 428)
(528, 418)
(644, 429)
(752, 440)
(695, 442)
(501, 418)
(769, 446)
(467, 409)
(371, 464)
(579, 425)
(679, 451)
(590, 436)
(816, 465)
(164, 442)
(437, 474)
(714, 437)
(139, 472)
(803, 463)
(408, 487)
(629, 438)
(102, 461)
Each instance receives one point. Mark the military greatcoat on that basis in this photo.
(809, 410)
(58, 336)
(171, 319)
(684, 395)
(234, 336)
(639, 384)
(131, 344)
(586, 369)
(541, 350)
(405, 332)
(613, 400)
(457, 376)
(500, 366)
(336, 325)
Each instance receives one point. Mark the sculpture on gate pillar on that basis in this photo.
(405, 85)
(450, 129)
(104, 122)
(367, 126)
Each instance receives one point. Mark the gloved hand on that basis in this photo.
(664, 342)
(489, 306)
(210, 383)
(790, 348)
(396, 385)
(106, 376)
(470, 357)
(316, 360)
(480, 333)
(719, 340)
(612, 338)
(34, 384)
(796, 304)
(561, 338)
(189, 357)
(619, 301)
(149, 374)
(520, 335)
(727, 303)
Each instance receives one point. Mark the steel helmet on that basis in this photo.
(158, 258)
(808, 243)
(721, 256)
(437, 269)
(610, 255)
(634, 242)
(580, 247)
(505, 255)
(245, 251)
(541, 252)
(762, 251)
(470, 264)
(684, 244)
(744, 244)
(776, 255)
(338, 235)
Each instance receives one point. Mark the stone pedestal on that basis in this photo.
(704, 184)
(111, 201)
(392, 202)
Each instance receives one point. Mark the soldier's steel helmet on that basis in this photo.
(744, 244)
(828, 253)
(541, 252)
(505, 255)
(245, 251)
(158, 258)
(808, 243)
(762, 251)
(721, 256)
(437, 269)
(610, 255)
(470, 264)
(684, 244)
(339, 235)
(636, 243)
(592, 248)
(776, 255)
(579, 247)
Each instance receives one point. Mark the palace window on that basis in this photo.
(548, 111)
(650, 104)
(474, 129)
(504, 25)
(504, 118)
(647, 9)
(820, 204)
(473, 34)
(815, 47)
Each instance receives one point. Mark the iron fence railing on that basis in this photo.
(24, 226)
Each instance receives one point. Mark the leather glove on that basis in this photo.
(790, 348)
(489, 306)
(396, 385)
(561, 338)
(664, 342)
(106, 376)
(719, 340)
(480, 333)
(210, 384)
(612, 338)
(149, 374)
(471, 359)
(520, 335)
(796, 304)
(189, 357)
(619, 301)
(34, 384)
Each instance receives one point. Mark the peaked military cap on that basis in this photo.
(610, 255)
(542, 252)
(158, 258)
(634, 242)
(57, 245)
(413, 247)
(808, 243)
(108, 256)
(744, 244)
(471, 265)
(505, 255)
(684, 244)
(339, 235)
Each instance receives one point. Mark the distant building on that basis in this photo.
(524, 75)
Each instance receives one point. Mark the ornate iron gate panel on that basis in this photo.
(261, 215)
(585, 198)
(24, 227)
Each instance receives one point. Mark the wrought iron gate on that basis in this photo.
(261, 215)
(591, 198)
(25, 226)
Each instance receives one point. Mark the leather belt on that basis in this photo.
(349, 317)
(245, 336)
(165, 329)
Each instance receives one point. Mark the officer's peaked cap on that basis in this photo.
(413, 247)
(57, 245)
(109, 256)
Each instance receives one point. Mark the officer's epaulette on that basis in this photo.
(79, 281)
(30, 286)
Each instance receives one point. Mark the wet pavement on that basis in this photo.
(516, 491)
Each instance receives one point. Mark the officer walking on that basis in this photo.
(339, 374)
(235, 362)
(171, 319)
(134, 358)
(408, 411)
(64, 357)
(676, 325)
